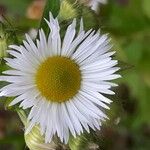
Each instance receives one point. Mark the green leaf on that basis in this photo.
(52, 6)
(125, 20)
(16, 6)
(146, 7)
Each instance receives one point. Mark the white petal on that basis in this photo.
(100, 74)
(94, 100)
(92, 108)
(67, 119)
(76, 123)
(69, 36)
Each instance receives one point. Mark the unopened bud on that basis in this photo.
(35, 141)
(67, 11)
(3, 43)
(3, 47)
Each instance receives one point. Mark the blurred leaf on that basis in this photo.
(146, 7)
(125, 20)
(16, 6)
(53, 6)
(12, 139)
(134, 51)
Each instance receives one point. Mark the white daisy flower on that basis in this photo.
(62, 81)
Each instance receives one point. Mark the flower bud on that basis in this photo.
(35, 141)
(67, 11)
(3, 42)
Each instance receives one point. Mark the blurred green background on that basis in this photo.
(128, 22)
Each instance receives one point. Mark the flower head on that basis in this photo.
(62, 81)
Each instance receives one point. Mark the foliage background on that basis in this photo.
(128, 22)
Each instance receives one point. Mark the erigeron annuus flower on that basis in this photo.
(62, 81)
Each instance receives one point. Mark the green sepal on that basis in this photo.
(79, 143)
(22, 115)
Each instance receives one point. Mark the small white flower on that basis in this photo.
(62, 81)
(94, 4)
(33, 33)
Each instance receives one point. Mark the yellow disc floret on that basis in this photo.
(58, 79)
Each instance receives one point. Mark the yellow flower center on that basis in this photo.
(58, 79)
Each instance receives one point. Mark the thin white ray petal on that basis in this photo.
(109, 83)
(76, 123)
(88, 110)
(69, 36)
(15, 47)
(96, 64)
(27, 103)
(106, 91)
(106, 78)
(70, 104)
(91, 49)
(94, 100)
(32, 94)
(77, 41)
(15, 79)
(44, 116)
(111, 77)
(100, 74)
(85, 45)
(81, 26)
(14, 53)
(54, 37)
(31, 43)
(91, 106)
(101, 67)
(14, 72)
(96, 86)
(79, 114)
(68, 119)
(100, 97)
